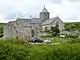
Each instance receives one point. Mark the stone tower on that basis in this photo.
(44, 14)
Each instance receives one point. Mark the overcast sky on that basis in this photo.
(67, 10)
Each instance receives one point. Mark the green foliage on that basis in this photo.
(2, 24)
(72, 26)
(13, 50)
(54, 31)
(1, 34)
(72, 36)
(57, 52)
(74, 40)
(1, 29)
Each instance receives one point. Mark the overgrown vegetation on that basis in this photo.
(1, 29)
(12, 49)
(72, 26)
(57, 52)
(54, 31)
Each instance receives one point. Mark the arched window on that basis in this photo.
(45, 29)
(36, 28)
(57, 24)
(32, 33)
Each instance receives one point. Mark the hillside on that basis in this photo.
(2, 24)
(72, 26)
(1, 29)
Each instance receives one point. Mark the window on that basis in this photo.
(14, 27)
(36, 28)
(45, 29)
(32, 33)
(57, 24)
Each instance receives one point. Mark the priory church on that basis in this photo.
(22, 27)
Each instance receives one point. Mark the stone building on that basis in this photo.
(23, 27)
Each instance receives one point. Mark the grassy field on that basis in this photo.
(59, 39)
(2, 24)
(14, 49)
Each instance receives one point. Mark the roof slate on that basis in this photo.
(36, 20)
(48, 21)
(33, 20)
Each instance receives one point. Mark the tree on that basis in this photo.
(1, 31)
(54, 31)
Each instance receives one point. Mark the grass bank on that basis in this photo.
(12, 49)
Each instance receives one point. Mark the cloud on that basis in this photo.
(66, 9)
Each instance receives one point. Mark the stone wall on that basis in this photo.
(53, 24)
(15, 29)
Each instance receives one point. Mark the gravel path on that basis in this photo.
(47, 43)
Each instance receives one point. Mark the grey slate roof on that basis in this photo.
(33, 20)
(36, 20)
(24, 20)
(48, 21)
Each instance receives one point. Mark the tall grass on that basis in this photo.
(12, 49)
(58, 52)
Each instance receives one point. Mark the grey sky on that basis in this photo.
(68, 10)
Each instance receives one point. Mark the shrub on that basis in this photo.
(72, 36)
(57, 52)
(13, 50)
(1, 31)
(54, 31)
(75, 40)
(1, 34)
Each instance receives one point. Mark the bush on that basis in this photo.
(72, 36)
(13, 50)
(54, 31)
(1, 31)
(1, 34)
(75, 40)
(57, 52)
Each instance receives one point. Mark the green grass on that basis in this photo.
(55, 39)
(18, 50)
(56, 52)
(11, 49)
(2, 24)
